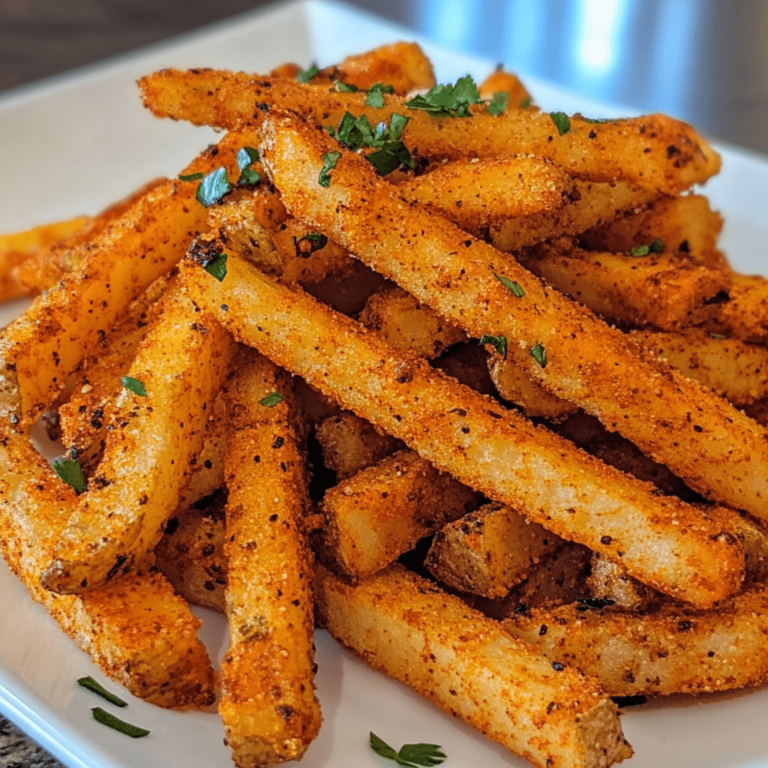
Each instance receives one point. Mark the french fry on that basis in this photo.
(719, 452)
(671, 650)
(383, 510)
(147, 459)
(611, 583)
(489, 551)
(745, 316)
(350, 444)
(654, 151)
(688, 553)
(139, 632)
(406, 627)
(269, 707)
(402, 65)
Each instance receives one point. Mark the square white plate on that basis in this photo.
(76, 143)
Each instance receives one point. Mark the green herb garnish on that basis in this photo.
(329, 163)
(525, 103)
(515, 288)
(342, 87)
(92, 685)
(307, 74)
(246, 157)
(375, 97)
(448, 100)
(117, 724)
(70, 472)
(356, 132)
(561, 121)
(192, 177)
(315, 240)
(410, 755)
(498, 342)
(213, 187)
(539, 354)
(643, 250)
(134, 385)
(498, 104)
(271, 400)
(217, 267)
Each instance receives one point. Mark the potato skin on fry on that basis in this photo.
(409, 629)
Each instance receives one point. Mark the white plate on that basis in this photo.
(74, 144)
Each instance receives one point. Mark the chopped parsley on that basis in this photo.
(192, 177)
(134, 385)
(448, 100)
(213, 187)
(342, 87)
(217, 267)
(329, 163)
(498, 104)
(525, 103)
(410, 755)
(307, 74)
(539, 354)
(92, 685)
(314, 240)
(105, 718)
(643, 250)
(498, 342)
(70, 472)
(391, 153)
(246, 157)
(375, 97)
(561, 121)
(514, 287)
(271, 400)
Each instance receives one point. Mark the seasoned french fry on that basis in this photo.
(745, 316)
(351, 444)
(269, 707)
(138, 631)
(489, 551)
(402, 65)
(404, 626)
(688, 553)
(608, 581)
(654, 151)
(501, 81)
(720, 452)
(382, 511)
(148, 455)
(672, 650)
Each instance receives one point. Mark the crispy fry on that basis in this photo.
(745, 316)
(149, 452)
(402, 65)
(719, 452)
(661, 541)
(609, 581)
(269, 707)
(138, 631)
(654, 151)
(406, 627)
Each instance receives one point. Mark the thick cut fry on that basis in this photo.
(671, 650)
(402, 65)
(687, 553)
(654, 151)
(610, 582)
(501, 81)
(405, 324)
(381, 512)
(745, 316)
(351, 444)
(155, 441)
(409, 629)
(489, 551)
(716, 449)
(669, 292)
(138, 632)
(269, 707)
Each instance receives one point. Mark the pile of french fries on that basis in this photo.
(490, 411)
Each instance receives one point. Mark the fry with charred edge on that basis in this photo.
(715, 448)
(40, 349)
(489, 551)
(407, 628)
(382, 511)
(139, 632)
(671, 650)
(149, 454)
(654, 151)
(661, 541)
(269, 707)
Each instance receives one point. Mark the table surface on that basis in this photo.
(704, 61)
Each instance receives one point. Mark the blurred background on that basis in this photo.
(705, 61)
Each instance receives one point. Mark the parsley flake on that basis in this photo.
(217, 267)
(307, 74)
(514, 287)
(410, 755)
(213, 187)
(391, 153)
(69, 471)
(342, 87)
(105, 718)
(525, 103)
(539, 354)
(134, 385)
(192, 177)
(643, 250)
(448, 100)
(92, 685)
(498, 342)
(314, 240)
(271, 400)
(246, 157)
(329, 163)
(561, 121)
(498, 104)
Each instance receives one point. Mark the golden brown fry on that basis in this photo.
(382, 511)
(489, 551)
(501, 81)
(610, 582)
(155, 441)
(672, 650)
(745, 316)
(138, 631)
(654, 151)
(402, 65)
(688, 553)
(409, 629)
(269, 707)
(716, 449)
(351, 444)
